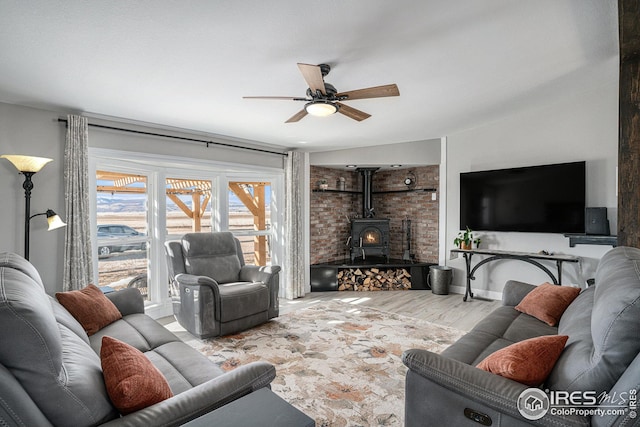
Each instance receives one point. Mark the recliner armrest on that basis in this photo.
(192, 279)
(494, 391)
(257, 273)
(203, 398)
(515, 291)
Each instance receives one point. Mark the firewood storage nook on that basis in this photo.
(392, 275)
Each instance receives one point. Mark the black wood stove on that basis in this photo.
(369, 235)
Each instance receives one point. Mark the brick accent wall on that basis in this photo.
(330, 212)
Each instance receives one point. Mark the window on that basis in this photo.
(122, 224)
(143, 200)
(188, 204)
(250, 219)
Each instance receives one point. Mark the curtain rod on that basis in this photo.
(182, 138)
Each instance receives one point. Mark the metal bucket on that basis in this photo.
(439, 279)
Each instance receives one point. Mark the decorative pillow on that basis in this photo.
(90, 307)
(528, 362)
(132, 382)
(547, 302)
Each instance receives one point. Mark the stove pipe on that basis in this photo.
(367, 191)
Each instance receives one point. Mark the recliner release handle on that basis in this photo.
(478, 417)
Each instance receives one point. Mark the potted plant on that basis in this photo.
(465, 240)
(322, 184)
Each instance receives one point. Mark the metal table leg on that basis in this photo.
(467, 259)
(559, 264)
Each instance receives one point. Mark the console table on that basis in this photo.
(531, 258)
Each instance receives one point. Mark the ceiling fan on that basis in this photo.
(323, 99)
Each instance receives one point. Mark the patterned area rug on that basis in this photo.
(338, 363)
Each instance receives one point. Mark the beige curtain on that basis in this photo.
(78, 264)
(294, 226)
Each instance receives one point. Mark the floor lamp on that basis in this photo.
(28, 166)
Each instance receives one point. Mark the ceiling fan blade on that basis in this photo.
(313, 76)
(297, 116)
(288, 98)
(371, 92)
(352, 113)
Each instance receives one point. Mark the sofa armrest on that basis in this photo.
(201, 399)
(515, 291)
(127, 300)
(257, 273)
(494, 391)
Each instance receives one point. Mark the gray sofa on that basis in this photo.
(600, 356)
(50, 371)
(215, 293)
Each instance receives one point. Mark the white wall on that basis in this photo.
(38, 133)
(581, 127)
(418, 153)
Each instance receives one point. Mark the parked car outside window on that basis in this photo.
(119, 238)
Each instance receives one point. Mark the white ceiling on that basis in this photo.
(187, 64)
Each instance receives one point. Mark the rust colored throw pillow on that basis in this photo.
(547, 302)
(132, 382)
(528, 362)
(91, 308)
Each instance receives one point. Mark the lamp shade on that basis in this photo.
(54, 220)
(321, 108)
(27, 163)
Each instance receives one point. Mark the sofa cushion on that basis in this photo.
(527, 362)
(65, 318)
(48, 358)
(181, 365)
(214, 256)
(90, 307)
(503, 327)
(602, 324)
(138, 330)
(547, 302)
(133, 383)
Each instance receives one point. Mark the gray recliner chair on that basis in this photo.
(214, 292)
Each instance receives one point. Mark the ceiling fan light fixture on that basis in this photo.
(321, 108)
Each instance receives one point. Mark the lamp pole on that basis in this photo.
(28, 186)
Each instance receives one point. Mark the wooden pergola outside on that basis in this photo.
(251, 194)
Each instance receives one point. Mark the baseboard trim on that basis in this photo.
(481, 293)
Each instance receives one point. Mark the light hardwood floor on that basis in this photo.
(448, 310)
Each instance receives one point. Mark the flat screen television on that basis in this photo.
(541, 199)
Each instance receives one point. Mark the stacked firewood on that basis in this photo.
(374, 279)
